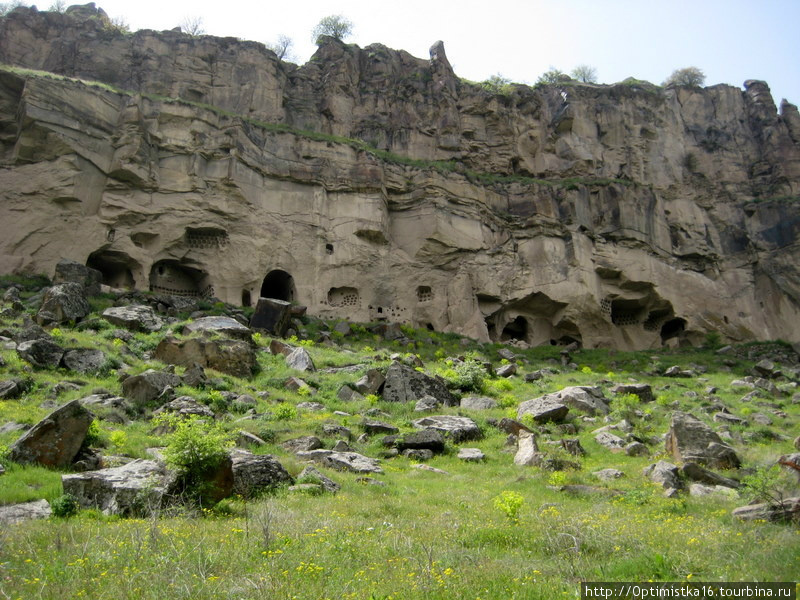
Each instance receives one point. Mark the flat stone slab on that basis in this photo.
(471, 454)
(543, 410)
(458, 429)
(15, 513)
(342, 461)
(223, 325)
(135, 317)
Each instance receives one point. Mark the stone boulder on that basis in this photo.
(404, 384)
(458, 429)
(343, 461)
(426, 439)
(135, 317)
(476, 403)
(63, 303)
(787, 510)
(11, 389)
(272, 315)
(348, 394)
(84, 360)
(373, 427)
(300, 360)
(185, 406)
(69, 271)
(16, 513)
(142, 390)
(691, 440)
(610, 441)
(371, 383)
(585, 398)
(135, 488)
(225, 326)
(234, 357)
(302, 444)
(312, 474)
(665, 474)
(254, 473)
(43, 353)
(643, 390)
(426, 403)
(471, 454)
(55, 440)
(528, 454)
(695, 472)
(543, 409)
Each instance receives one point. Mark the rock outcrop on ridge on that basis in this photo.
(372, 185)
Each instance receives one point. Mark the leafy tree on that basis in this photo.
(551, 76)
(58, 6)
(335, 26)
(193, 26)
(689, 76)
(7, 7)
(585, 73)
(282, 47)
(497, 84)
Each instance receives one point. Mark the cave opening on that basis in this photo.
(278, 284)
(176, 279)
(515, 330)
(672, 328)
(116, 268)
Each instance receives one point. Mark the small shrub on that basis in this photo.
(65, 506)
(94, 436)
(285, 412)
(118, 439)
(713, 340)
(763, 486)
(467, 376)
(509, 503)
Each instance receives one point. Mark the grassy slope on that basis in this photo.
(423, 534)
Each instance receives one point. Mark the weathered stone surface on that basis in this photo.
(404, 384)
(63, 303)
(664, 473)
(41, 353)
(328, 484)
(16, 513)
(55, 440)
(226, 326)
(343, 461)
(458, 429)
(458, 266)
(426, 403)
(195, 376)
(528, 454)
(475, 403)
(471, 454)
(234, 357)
(271, 315)
(786, 510)
(348, 394)
(371, 382)
(608, 474)
(718, 491)
(643, 390)
(506, 370)
(185, 406)
(13, 388)
(255, 473)
(302, 444)
(427, 439)
(609, 440)
(131, 489)
(143, 389)
(300, 360)
(69, 271)
(135, 317)
(372, 427)
(691, 440)
(84, 360)
(543, 410)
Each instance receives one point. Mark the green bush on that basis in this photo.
(509, 503)
(285, 412)
(467, 376)
(65, 506)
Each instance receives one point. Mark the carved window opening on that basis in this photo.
(329, 248)
(206, 238)
(278, 284)
(246, 298)
(344, 296)
(424, 293)
(626, 312)
(117, 268)
(176, 279)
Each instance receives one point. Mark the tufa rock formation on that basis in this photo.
(372, 185)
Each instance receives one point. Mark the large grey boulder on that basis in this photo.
(691, 440)
(43, 353)
(642, 390)
(135, 488)
(226, 326)
(135, 317)
(84, 360)
(543, 409)
(343, 461)
(477, 403)
(373, 427)
(16, 513)
(585, 398)
(143, 389)
(55, 440)
(404, 384)
(254, 473)
(185, 406)
(302, 444)
(528, 454)
(609, 440)
(371, 382)
(665, 474)
(300, 360)
(312, 474)
(695, 472)
(786, 510)
(69, 271)
(458, 429)
(426, 439)
(234, 357)
(63, 303)
(13, 388)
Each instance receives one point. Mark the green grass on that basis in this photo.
(423, 534)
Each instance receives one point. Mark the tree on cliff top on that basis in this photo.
(335, 26)
(585, 73)
(688, 76)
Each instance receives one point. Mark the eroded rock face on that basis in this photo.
(404, 384)
(255, 473)
(234, 357)
(55, 440)
(691, 440)
(637, 259)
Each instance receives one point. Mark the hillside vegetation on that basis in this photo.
(454, 529)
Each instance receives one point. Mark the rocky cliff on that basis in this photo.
(369, 184)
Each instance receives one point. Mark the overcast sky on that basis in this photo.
(730, 40)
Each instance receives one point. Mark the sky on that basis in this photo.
(729, 40)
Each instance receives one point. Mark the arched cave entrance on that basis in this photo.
(278, 284)
(515, 330)
(116, 267)
(176, 279)
(672, 328)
